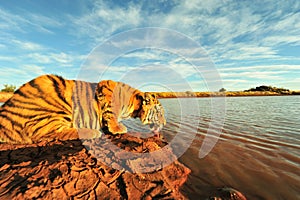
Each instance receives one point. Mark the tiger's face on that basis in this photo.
(152, 112)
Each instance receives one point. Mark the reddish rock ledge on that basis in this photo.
(67, 170)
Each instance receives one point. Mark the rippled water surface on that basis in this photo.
(258, 151)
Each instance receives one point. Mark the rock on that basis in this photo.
(227, 193)
(71, 170)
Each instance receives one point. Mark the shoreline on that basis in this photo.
(163, 95)
(4, 96)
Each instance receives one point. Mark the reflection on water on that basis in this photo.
(258, 152)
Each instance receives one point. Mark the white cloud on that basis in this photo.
(279, 39)
(61, 59)
(227, 29)
(8, 58)
(236, 30)
(41, 20)
(10, 21)
(292, 84)
(262, 67)
(19, 76)
(33, 69)
(264, 75)
(39, 58)
(27, 22)
(234, 81)
(7, 72)
(103, 20)
(31, 46)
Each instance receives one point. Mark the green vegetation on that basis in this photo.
(222, 90)
(8, 88)
(264, 88)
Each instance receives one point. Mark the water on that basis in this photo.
(258, 152)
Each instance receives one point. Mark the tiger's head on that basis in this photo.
(117, 101)
(151, 112)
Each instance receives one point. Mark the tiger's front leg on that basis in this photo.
(111, 122)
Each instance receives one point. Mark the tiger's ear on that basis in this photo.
(150, 95)
(148, 98)
(153, 95)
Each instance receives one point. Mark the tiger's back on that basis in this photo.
(37, 110)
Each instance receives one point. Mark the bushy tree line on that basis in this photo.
(268, 88)
(8, 88)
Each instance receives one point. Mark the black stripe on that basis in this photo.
(44, 125)
(34, 122)
(120, 96)
(108, 111)
(94, 87)
(17, 114)
(36, 86)
(103, 106)
(56, 85)
(4, 127)
(67, 118)
(12, 121)
(50, 133)
(6, 134)
(9, 104)
(57, 103)
(128, 87)
(39, 107)
(35, 96)
(104, 86)
(22, 94)
(62, 80)
(85, 88)
(30, 116)
(15, 100)
(81, 111)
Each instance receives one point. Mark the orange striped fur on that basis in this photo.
(50, 107)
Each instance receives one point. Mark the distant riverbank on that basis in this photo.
(222, 94)
(6, 95)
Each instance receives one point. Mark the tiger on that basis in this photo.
(51, 107)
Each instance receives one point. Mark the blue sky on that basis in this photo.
(247, 43)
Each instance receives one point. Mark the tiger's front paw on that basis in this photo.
(117, 129)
